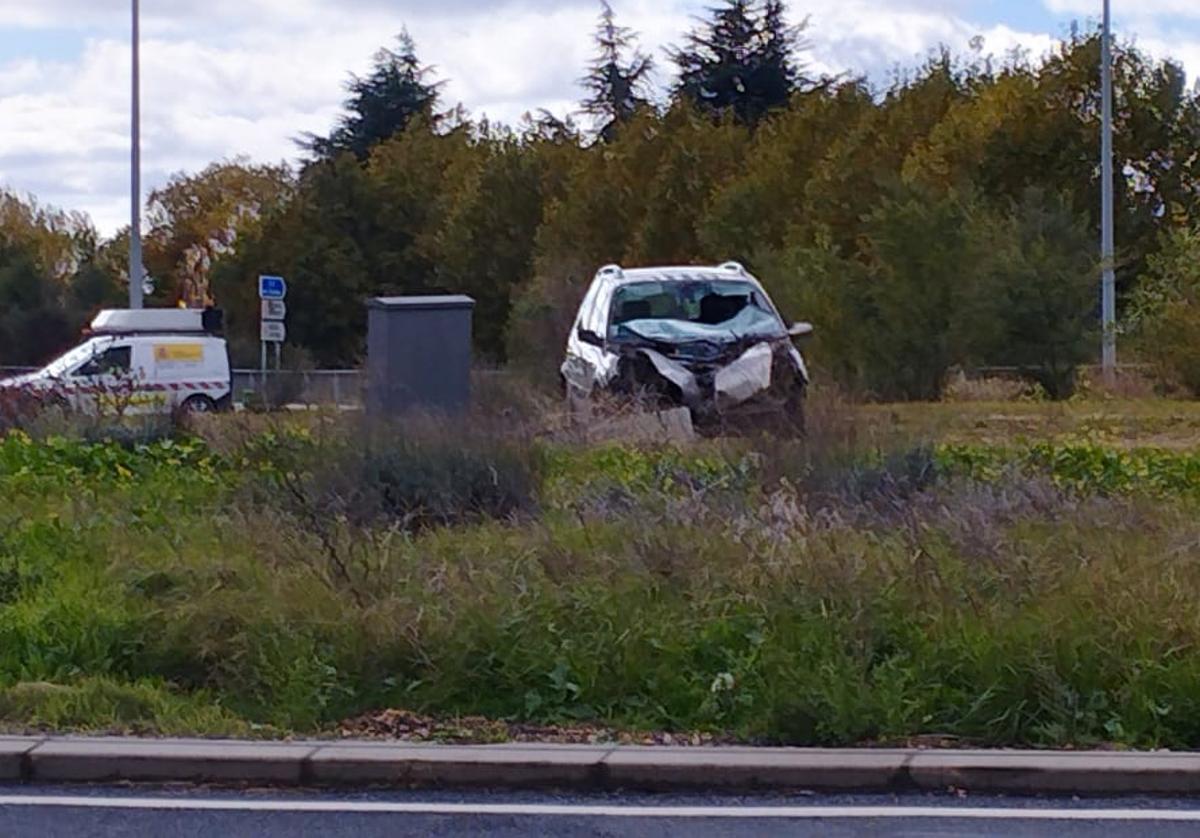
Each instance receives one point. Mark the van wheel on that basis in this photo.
(199, 404)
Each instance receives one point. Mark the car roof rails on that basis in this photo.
(735, 267)
(611, 270)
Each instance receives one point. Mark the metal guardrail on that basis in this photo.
(334, 388)
(344, 388)
(313, 388)
(1087, 369)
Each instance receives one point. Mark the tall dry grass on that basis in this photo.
(849, 587)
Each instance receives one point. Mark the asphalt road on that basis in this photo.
(76, 811)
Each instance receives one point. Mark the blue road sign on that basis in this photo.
(272, 288)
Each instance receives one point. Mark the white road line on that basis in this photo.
(539, 810)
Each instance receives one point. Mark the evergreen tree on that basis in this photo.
(382, 104)
(741, 60)
(617, 84)
(777, 75)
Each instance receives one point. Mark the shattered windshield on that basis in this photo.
(677, 312)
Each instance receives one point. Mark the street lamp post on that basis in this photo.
(1107, 246)
(136, 271)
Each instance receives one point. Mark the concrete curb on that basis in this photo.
(343, 763)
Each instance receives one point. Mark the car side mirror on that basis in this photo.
(801, 330)
(590, 337)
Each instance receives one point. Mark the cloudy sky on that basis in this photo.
(244, 77)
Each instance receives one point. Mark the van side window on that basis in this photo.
(115, 361)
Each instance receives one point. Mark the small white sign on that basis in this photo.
(273, 332)
(274, 310)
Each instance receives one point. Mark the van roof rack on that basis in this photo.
(187, 321)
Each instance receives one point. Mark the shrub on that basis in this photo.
(542, 316)
(960, 388)
(1165, 313)
(1033, 301)
(417, 474)
(895, 309)
(1083, 467)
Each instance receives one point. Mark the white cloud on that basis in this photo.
(1143, 9)
(1164, 28)
(229, 77)
(869, 36)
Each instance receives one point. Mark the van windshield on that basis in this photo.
(79, 355)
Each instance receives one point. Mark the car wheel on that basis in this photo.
(199, 404)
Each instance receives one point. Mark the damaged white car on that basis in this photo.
(708, 339)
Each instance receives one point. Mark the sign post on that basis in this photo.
(272, 291)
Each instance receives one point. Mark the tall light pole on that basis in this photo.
(136, 271)
(1107, 245)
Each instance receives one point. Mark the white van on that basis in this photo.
(138, 362)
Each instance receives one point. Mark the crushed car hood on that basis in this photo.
(717, 373)
(730, 383)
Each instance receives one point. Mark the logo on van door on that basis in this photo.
(171, 354)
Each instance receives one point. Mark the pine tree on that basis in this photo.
(742, 60)
(777, 76)
(381, 104)
(617, 84)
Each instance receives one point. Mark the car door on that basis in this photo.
(180, 369)
(588, 361)
(105, 383)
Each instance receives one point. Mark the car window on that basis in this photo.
(116, 361)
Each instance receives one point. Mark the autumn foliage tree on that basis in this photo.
(196, 219)
(949, 219)
(54, 275)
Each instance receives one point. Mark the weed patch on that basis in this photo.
(284, 579)
(1084, 467)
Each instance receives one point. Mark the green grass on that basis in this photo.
(1086, 467)
(1161, 423)
(100, 704)
(1006, 592)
